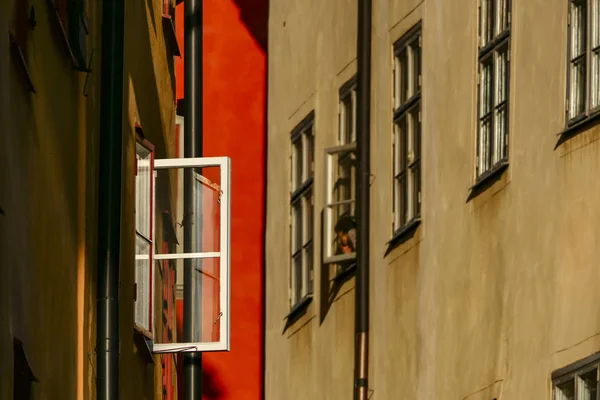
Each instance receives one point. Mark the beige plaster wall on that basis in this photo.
(490, 295)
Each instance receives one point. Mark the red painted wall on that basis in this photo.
(235, 67)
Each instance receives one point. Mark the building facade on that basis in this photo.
(50, 83)
(483, 250)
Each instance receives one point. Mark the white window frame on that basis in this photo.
(224, 163)
(407, 130)
(140, 325)
(302, 184)
(583, 91)
(574, 374)
(346, 144)
(493, 94)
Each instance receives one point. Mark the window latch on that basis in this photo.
(220, 195)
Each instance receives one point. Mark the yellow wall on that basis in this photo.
(48, 191)
(490, 295)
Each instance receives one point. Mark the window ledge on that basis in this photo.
(171, 35)
(577, 127)
(299, 308)
(403, 234)
(143, 343)
(340, 258)
(487, 179)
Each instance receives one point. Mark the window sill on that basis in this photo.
(340, 258)
(21, 63)
(577, 126)
(143, 343)
(487, 179)
(171, 35)
(299, 308)
(403, 234)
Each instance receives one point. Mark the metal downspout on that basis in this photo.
(109, 200)
(361, 355)
(192, 362)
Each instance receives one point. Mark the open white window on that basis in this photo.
(144, 235)
(196, 244)
(340, 223)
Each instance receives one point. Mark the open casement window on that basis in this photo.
(406, 138)
(580, 382)
(302, 211)
(583, 95)
(493, 86)
(197, 250)
(340, 164)
(144, 237)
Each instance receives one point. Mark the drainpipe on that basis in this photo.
(109, 200)
(361, 351)
(192, 285)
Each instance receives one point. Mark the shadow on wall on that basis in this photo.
(252, 13)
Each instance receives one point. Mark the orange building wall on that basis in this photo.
(235, 63)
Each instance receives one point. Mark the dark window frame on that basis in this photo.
(571, 373)
(492, 44)
(149, 147)
(405, 107)
(589, 110)
(302, 199)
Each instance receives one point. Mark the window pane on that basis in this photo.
(578, 28)
(578, 82)
(310, 154)
(309, 268)
(308, 207)
(588, 386)
(400, 203)
(416, 67)
(486, 19)
(501, 16)
(501, 107)
(142, 192)
(298, 275)
(403, 76)
(142, 281)
(502, 70)
(297, 161)
(400, 145)
(347, 122)
(485, 131)
(565, 391)
(296, 226)
(344, 178)
(595, 94)
(486, 87)
(595, 23)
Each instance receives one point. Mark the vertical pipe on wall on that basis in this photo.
(109, 200)
(192, 362)
(361, 351)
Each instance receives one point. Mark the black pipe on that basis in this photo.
(361, 351)
(109, 200)
(192, 307)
